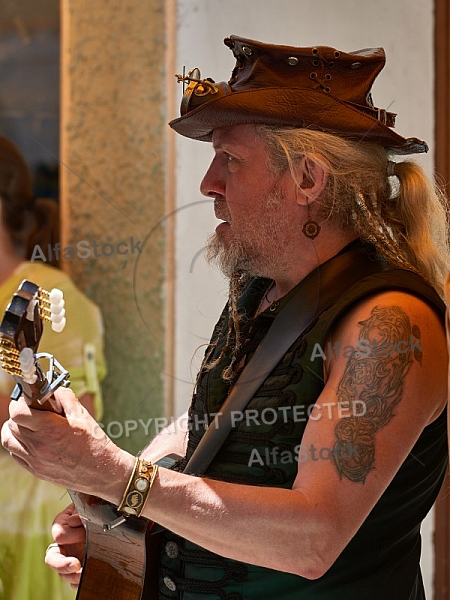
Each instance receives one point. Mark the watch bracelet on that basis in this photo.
(138, 487)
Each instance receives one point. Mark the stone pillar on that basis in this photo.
(113, 128)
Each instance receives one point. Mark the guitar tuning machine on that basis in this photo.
(51, 307)
(45, 384)
(56, 376)
(27, 365)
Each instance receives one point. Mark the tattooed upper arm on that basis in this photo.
(374, 375)
(386, 379)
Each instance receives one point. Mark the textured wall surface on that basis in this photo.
(112, 146)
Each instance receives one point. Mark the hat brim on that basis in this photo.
(289, 107)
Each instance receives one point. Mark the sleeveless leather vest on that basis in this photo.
(381, 561)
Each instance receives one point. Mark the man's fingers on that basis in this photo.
(69, 403)
(67, 527)
(69, 535)
(74, 521)
(65, 402)
(64, 515)
(69, 568)
(56, 559)
(65, 555)
(29, 418)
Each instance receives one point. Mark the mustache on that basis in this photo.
(220, 210)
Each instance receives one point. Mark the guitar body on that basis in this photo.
(116, 562)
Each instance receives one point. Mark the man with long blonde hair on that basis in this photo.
(318, 490)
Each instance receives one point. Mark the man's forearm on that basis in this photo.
(270, 527)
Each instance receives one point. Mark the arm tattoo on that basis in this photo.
(374, 379)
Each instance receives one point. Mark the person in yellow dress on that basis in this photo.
(28, 505)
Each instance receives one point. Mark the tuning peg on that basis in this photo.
(59, 326)
(55, 309)
(27, 364)
(56, 296)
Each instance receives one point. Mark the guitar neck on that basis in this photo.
(47, 406)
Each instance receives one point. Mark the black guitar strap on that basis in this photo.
(318, 291)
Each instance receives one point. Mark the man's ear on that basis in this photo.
(311, 179)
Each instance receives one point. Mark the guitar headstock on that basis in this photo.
(20, 333)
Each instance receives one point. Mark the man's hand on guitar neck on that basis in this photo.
(84, 452)
(65, 556)
(70, 450)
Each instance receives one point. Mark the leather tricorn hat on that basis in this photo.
(320, 88)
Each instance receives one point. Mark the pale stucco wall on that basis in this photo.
(112, 148)
(403, 28)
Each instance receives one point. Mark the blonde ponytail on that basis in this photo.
(423, 210)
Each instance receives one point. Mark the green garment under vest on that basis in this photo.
(381, 562)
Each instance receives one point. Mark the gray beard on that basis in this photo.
(247, 258)
(235, 259)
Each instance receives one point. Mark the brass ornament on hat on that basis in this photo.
(197, 86)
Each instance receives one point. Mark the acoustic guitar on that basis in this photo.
(118, 564)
